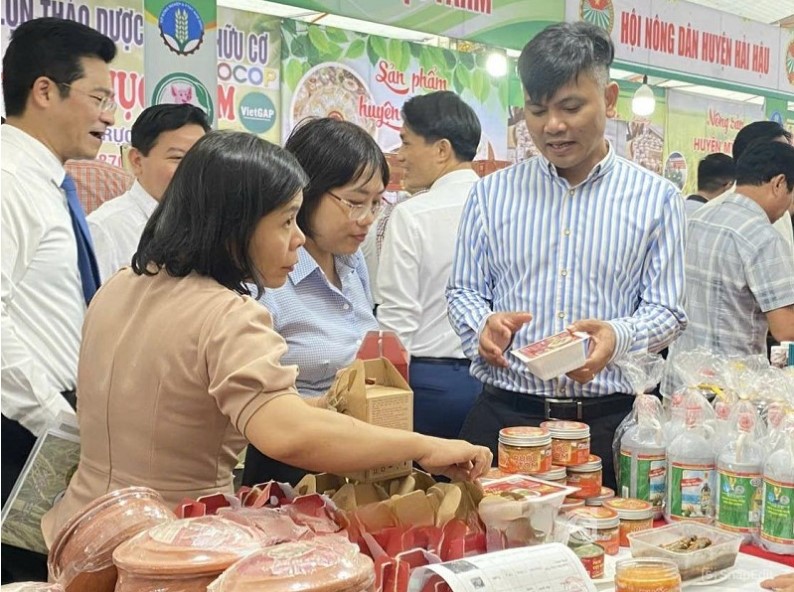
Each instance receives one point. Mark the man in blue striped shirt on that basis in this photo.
(576, 238)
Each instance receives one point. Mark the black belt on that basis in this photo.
(445, 361)
(551, 408)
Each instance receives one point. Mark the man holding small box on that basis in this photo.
(575, 239)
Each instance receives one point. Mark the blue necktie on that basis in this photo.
(86, 261)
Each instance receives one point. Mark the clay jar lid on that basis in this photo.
(187, 547)
(324, 564)
(86, 542)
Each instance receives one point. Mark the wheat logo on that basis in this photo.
(181, 27)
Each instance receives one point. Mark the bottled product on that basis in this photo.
(647, 575)
(740, 468)
(570, 442)
(777, 512)
(690, 469)
(586, 477)
(643, 464)
(525, 450)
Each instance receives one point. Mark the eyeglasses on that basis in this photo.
(106, 104)
(356, 211)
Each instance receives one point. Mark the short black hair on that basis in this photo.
(715, 171)
(222, 188)
(157, 119)
(559, 54)
(50, 47)
(333, 153)
(758, 130)
(764, 159)
(443, 115)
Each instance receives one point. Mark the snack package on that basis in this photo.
(639, 443)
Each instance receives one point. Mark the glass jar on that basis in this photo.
(635, 515)
(570, 442)
(556, 475)
(524, 450)
(597, 501)
(647, 575)
(592, 557)
(600, 524)
(587, 477)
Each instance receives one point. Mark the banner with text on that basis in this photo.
(180, 61)
(503, 23)
(122, 21)
(366, 80)
(679, 36)
(699, 125)
(249, 60)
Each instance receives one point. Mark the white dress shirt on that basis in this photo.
(116, 227)
(415, 264)
(42, 298)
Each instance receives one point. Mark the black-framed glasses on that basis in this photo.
(106, 104)
(358, 211)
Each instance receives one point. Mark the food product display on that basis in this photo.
(81, 556)
(557, 475)
(598, 500)
(183, 556)
(647, 575)
(592, 557)
(587, 477)
(570, 442)
(635, 516)
(697, 549)
(324, 564)
(524, 450)
(601, 525)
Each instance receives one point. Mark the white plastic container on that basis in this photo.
(690, 473)
(740, 468)
(777, 512)
(554, 356)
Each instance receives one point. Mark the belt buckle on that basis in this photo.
(547, 403)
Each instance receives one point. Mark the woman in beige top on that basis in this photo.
(179, 365)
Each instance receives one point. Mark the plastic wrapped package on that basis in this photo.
(81, 556)
(184, 555)
(519, 511)
(639, 442)
(696, 369)
(276, 526)
(31, 587)
(324, 564)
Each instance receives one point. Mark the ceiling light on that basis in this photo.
(644, 102)
(496, 64)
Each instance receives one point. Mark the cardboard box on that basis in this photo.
(385, 344)
(375, 392)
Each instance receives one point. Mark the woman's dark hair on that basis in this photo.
(763, 160)
(444, 115)
(222, 188)
(333, 153)
(559, 54)
(50, 47)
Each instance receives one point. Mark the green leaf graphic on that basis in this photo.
(333, 54)
(480, 85)
(318, 39)
(289, 26)
(336, 35)
(462, 79)
(395, 52)
(416, 49)
(314, 55)
(356, 49)
(292, 73)
(467, 59)
(379, 49)
(298, 47)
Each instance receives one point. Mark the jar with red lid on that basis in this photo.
(587, 477)
(525, 450)
(570, 442)
(635, 515)
(600, 524)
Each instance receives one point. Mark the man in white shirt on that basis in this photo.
(161, 136)
(59, 103)
(440, 136)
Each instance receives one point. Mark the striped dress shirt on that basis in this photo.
(611, 248)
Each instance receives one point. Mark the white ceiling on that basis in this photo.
(768, 11)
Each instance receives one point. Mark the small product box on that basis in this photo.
(375, 392)
(555, 355)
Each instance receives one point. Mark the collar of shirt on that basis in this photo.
(307, 265)
(26, 148)
(697, 198)
(603, 167)
(745, 202)
(453, 177)
(142, 199)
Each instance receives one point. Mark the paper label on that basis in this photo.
(649, 478)
(739, 501)
(691, 489)
(777, 522)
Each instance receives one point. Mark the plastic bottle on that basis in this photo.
(690, 472)
(677, 421)
(740, 469)
(777, 513)
(724, 433)
(643, 457)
